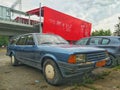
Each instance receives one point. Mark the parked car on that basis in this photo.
(110, 43)
(54, 56)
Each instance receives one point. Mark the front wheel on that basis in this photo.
(51, 72)
(112, 62)
(14, 61)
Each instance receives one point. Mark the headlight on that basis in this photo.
(79, 58)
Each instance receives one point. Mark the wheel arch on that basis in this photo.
(48, 56)
(113, 60)
(12, 53)
(109, 53)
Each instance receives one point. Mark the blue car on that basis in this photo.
(54, 56)
(110, 43)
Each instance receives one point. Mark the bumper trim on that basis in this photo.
(70, 70)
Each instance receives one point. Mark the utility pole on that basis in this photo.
(40, 9)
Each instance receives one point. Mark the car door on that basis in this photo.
(29, 50)
(19, 48)
(32, 52)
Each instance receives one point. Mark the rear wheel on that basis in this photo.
(14, 61)
(112, 62)
(51, 72)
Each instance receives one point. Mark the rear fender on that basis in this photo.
(12, 53)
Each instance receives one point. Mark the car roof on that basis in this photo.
(38, 33)
(107, 36)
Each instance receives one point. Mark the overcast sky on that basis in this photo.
(93, 11)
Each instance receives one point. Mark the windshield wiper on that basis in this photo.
(46, 43)
(62, 43)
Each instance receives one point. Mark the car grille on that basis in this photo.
(96, 56)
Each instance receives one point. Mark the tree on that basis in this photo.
(117, 28)
(3, 40)
(101, 32)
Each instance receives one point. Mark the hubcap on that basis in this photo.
(49, 71)
(109, 62)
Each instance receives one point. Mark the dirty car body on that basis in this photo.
(54, 56)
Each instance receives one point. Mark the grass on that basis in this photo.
(102, 75)
(2, 49)
(87, 80)
(117, 68)
(77, 87)
(90, 87)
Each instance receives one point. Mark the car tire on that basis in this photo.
(112, 62)
(51, 72)
(14, 61)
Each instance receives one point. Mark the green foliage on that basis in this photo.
(101, 33)
(102, 75)
(87, 79)
(90, 87)
(117, 28)
(117, 68)
(3, 40)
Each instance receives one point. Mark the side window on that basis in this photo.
(82, 41)
(30, 40)
(13, 41)
(21, 41)
(105, 41)
(95, 41)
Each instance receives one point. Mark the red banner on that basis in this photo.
(68, 27)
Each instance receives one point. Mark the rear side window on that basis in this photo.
(105, 41)
(95, 41)
(82, 41)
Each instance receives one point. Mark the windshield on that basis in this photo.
(50, 39)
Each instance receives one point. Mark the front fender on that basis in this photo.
(50, 56)
(42, 60)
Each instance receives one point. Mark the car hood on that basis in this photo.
(71, 48)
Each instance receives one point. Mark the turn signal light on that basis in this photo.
(101, 63)
(72, 59)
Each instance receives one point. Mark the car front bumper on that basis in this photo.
(71, 70)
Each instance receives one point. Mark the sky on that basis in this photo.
(98, 12)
